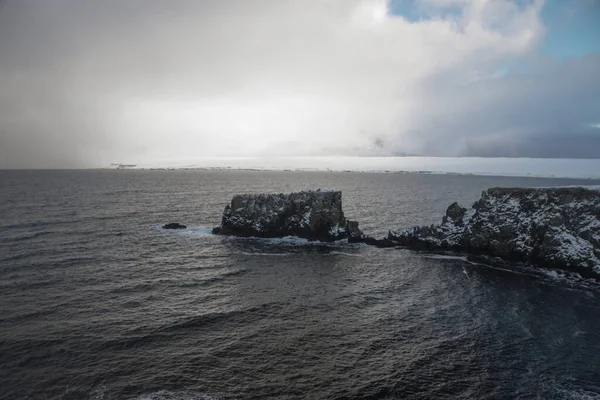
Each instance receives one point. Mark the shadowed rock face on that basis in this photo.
(553, 227)
(314, 215)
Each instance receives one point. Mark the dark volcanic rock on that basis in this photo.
(174, 225)
(314, 215)
(371, 241)
(355, 235)
(454, 213)
(550, 227)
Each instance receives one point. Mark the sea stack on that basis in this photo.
(313, 215)
(546, 227)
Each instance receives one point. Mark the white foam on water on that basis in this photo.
(445, 257)
(199, 229)
(572, 278)
(552, 274)
(189, 231)
(341, 253)
(294, 241)
(291, 241)
(329, 253)
(246, 253)
(534, 271)
(572, 392)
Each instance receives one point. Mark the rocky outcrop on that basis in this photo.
(314, 215)
(550, 227)
(174, 225)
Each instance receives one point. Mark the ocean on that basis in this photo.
(98, 302)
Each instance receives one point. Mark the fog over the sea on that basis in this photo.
(85, 83)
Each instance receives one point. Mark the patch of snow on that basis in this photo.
(306, 219)
(573, 248)
(525, 167)
(337, 230)
(589, 187)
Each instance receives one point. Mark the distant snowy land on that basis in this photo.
(534, 167)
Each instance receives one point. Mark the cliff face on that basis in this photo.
(554, 228)
(314, 215)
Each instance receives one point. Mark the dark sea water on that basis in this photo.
(97, 302)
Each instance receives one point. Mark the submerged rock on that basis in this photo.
(549, 227)
(314, 215)
(174, 225)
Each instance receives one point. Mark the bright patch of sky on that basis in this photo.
(573, 27)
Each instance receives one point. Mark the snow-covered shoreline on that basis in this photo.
(517, 167)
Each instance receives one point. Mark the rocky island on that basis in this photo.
(313, 215)
(547, 227)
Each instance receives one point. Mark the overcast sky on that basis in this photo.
(85, 83)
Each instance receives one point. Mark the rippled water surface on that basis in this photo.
(96, 301)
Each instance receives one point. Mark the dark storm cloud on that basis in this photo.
(87, 83)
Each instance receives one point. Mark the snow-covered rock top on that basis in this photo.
(314, 215)
(547, 227)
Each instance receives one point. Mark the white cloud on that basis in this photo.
(231, 78)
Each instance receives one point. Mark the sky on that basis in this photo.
(86, 83)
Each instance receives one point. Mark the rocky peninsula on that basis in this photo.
(547, 227)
